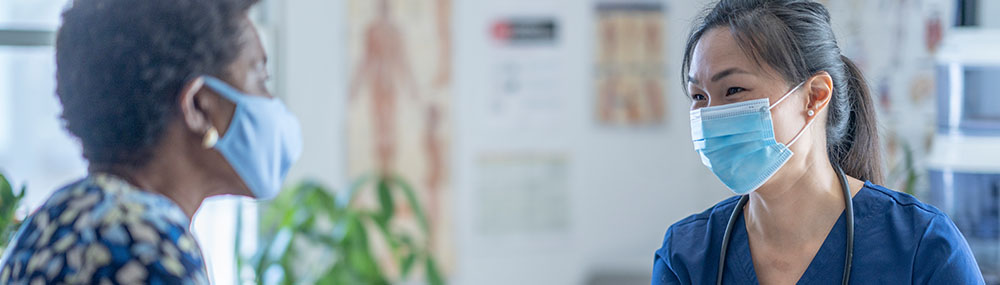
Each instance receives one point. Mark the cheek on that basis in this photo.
(787, 123)
(257, 81)
(698, 104)
(223, 115)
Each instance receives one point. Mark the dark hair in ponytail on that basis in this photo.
(795, 38)
(859, 151)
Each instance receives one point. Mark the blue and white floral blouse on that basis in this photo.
(103, 230)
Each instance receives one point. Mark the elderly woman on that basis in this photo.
(168, 99)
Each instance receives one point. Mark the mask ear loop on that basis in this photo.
(783, 97)
(802, 131)
(811, 119)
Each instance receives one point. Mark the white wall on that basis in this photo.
(627, 185)
(311, 73)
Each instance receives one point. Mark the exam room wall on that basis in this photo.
(626, 186)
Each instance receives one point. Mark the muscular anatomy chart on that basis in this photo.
(630, 63)
(399, 103)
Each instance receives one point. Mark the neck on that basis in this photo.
(170, 174)
(799, 205)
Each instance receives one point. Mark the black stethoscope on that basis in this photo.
(850, 229)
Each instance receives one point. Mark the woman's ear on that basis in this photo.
(193, 106)
(820, 88)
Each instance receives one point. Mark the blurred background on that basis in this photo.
(544, 142)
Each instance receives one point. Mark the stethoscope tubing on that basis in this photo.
(848, 206)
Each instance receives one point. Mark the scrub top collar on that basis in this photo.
(829, 260)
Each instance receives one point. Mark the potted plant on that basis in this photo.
(313, 235)
(9, 202)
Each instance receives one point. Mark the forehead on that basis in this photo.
(250, 40)
(717, 50)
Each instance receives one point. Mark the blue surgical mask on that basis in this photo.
(736, 141)
(262, 142)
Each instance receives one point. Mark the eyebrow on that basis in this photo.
(720, 75)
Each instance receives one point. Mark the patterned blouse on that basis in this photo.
(102, 230)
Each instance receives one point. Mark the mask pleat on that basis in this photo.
(725, 141)
(730, 126)
(737, 143)
(728, 155)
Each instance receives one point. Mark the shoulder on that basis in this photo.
(939, 251)
(96, 206)
(695, 231)
(691, 242)
(880, 202)
(900, 199)
(91, 231)
(897, 214)
(700, 222)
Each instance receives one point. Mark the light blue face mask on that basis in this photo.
(736, 141)
(262, 142)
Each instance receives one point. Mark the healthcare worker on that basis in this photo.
(786, 122)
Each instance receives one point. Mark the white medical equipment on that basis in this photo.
(964, 164)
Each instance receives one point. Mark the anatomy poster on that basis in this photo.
(399, 119)
(630, 63)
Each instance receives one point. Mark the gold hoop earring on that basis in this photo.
(211, 137)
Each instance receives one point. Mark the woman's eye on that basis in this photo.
(734, 90)
(698, 97)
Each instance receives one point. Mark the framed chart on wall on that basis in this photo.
(398, 115)
(629, 58)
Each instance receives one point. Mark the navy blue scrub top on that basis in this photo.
(898, 240)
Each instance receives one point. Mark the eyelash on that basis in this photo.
(731, 91)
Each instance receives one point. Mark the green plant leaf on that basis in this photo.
(318, 198)
(354, 189)
(331, 276)
(407, 264)
(433, 274)
(301, 209)
(388, 236)
(240, 261)
(407, 241)
(386, 203)
(360, 255)
(9, 202)
(411, 198)
(6, 192)
(287, 263)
